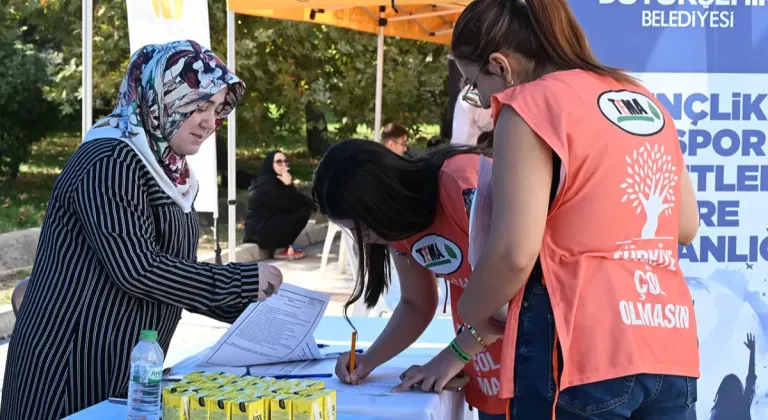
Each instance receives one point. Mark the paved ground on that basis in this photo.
(195, 329)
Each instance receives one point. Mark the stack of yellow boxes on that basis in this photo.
(222, 396)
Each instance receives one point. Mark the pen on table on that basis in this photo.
(304, 376)
(325, 346)
(122, 401)
(352, 353)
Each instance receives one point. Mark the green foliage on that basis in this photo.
(27, 115)
(284, 64)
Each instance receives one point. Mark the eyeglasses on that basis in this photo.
(281, 161)
(471, 96)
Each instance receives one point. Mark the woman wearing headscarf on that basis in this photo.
(277, 211)
(117, 251)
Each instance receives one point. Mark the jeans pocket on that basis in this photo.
(693, 393)
(599, 396)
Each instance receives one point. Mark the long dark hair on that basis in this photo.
(394, 196)
(543, 31)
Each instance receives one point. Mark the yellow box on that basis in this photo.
(329, 407)
(218, 409)
(245, 407)
(276, 389)
(268, 398)
(226, 389)
(193, 376)
(175, 404)
(286, 383)
(239, 383)
(312, 384)
(281, 407)
(309, 407)
(199, 403)
(257, 385)
(298, 390)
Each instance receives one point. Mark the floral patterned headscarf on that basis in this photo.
(163, 86)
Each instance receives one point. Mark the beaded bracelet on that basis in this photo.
(459, 352)
(476, 335)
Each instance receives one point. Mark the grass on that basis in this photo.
(23, 202)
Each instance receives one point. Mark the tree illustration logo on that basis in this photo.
(649, 185)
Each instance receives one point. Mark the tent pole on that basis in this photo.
(379, 75)
(231, 150)
(87, 62)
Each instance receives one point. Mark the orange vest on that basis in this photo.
(609, 252)
(443, 248)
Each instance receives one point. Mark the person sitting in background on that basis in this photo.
(395, 137)
(277, 211)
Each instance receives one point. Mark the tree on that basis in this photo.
(649, 186)
(288, 67)
(27, 115)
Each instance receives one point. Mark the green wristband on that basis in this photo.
(459, 352)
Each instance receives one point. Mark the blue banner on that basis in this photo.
(681, 36)
(707, 62)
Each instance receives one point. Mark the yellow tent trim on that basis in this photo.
(407, 19)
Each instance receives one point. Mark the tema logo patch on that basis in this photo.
(437, 254)
(633, 112)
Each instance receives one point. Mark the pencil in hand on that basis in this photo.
(353, 352)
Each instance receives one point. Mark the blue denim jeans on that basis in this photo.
(645, 396)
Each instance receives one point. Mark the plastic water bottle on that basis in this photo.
(144, 388)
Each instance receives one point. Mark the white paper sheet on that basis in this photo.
(274, 331)
(481, 212)
(379, 383)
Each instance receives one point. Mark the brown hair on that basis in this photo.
(392, 131)
(543, 31)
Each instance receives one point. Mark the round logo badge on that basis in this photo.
(437, 254)
(632, 112)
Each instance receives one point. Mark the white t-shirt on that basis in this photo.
(469, 122)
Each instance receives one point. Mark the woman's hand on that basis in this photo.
(270, 279)
(286, 177)
(363, 367)
(434, 375)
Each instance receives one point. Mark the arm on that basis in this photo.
(689, 210)
(112, 206)
(522, 179)
(749, 386)
(418, 303)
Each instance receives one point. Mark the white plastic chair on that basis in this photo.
(347, 259)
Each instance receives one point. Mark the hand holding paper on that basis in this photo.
(274, 331)
(270, 279)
